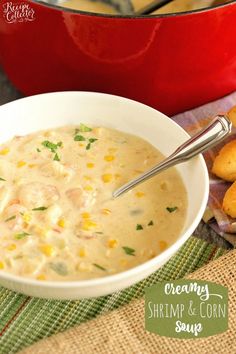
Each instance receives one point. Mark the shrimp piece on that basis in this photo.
(14, 211)
(84, 235)
(56, 169)
(4, 197)
(76, 197)
(79, 198)
(35, 194)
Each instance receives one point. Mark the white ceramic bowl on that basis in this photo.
(56, 109)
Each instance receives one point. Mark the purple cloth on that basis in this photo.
(192, 121)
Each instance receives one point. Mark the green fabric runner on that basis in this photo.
(25, 320)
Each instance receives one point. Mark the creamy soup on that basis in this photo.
(172, 7)
(90, 6)
(58, 220)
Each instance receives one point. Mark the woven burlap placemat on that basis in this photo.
(122, 331)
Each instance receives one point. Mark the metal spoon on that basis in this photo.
(205, 139)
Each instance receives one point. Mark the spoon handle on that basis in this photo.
(153, 6)
(215, 132)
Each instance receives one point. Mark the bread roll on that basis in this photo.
(224, 165)
(229, 201)
(232, 115)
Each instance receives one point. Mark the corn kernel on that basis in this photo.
(4, 151)
(106, 211)
(85, 215)
(49, 133)
(41, 277)
(123, 262)
(162, 245)
(112, 243)
(88, 188)
(32, 165)
(81, 144)
(26, 217)
(21, 164)
(11, 247)
(1, 265)
(47, 249)
(139, 194)
(107, 177)
(152, 254)
(61, 223)
(109, 158)
(164, 186)
(90, 165)
(88, 224)
(82, 252)
(87, 178)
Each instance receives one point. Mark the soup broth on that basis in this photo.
(173, 7)
(58, 220)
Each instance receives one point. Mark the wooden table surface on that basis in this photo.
(9, 93)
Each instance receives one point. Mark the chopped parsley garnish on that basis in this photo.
(88, 146)
(150, 223)
(92, 140)
(2, 179)
(10, 218)
(40, 208)
(99, 267)
(38, 150)
(21, 235)
(83, 128)
(139, 227)
(129, 251)
(56, 157)
(171, 210)
(79, 138)
(53, 148)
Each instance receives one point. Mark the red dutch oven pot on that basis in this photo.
(171, 62)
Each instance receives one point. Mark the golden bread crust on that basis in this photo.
(232, 115)
(224, 165)
(229, 201)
